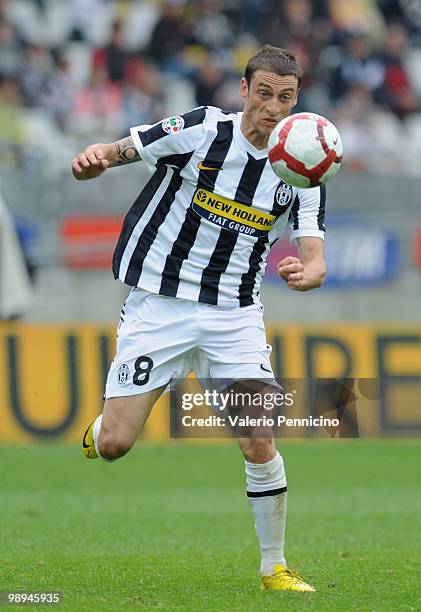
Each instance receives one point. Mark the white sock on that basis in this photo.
(267, 495)
(97, 429)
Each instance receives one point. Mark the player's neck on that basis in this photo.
(257, 139)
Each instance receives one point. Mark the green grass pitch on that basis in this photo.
(169, 527)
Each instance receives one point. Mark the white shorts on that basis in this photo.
(162, 338)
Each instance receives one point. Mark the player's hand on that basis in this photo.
(301, 277)
(90, 163)
(291, 270)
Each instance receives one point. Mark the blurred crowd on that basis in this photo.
(74, 72)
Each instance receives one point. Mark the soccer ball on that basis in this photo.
(305, 150)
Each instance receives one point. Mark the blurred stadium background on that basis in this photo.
(73, 73)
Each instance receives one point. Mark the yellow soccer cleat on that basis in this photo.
(284, 579)
(88, 446)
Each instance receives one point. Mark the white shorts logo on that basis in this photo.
(123, 374)
(172, 125)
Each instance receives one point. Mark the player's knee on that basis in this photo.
(113, 446)
(259, 450)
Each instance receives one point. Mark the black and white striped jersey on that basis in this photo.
(202, 227)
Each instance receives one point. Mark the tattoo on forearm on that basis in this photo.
(126, 152)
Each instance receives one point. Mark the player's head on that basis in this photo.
(270, 88)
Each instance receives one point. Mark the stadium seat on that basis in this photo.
(27, 19)
(412, 64)
(178, 96)
(412, 151)
(79, 56)
(138, 28)
(413, 129)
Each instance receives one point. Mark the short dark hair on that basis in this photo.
(273, 59)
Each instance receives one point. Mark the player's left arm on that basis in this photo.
(309, 269)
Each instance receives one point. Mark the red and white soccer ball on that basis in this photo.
(305, 150)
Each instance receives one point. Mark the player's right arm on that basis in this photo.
(166, 139)
(94, 160)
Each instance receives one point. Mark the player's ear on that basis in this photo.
(244, 88)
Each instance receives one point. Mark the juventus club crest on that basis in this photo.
(123, 374)
(283, 195)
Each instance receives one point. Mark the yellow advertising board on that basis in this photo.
(53, 376)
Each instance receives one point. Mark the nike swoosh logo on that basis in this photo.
(84, 438)
(201, 166)
(264, 369)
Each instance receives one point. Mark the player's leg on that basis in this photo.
(114, 432)
(266, 490)
(236, 349)
(267, 496)
(266, 484)
(154, 340)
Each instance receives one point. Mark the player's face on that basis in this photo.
(269, 99)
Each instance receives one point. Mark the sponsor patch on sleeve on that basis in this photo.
(172, 125)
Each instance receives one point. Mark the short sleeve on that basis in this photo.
(170, 137)
(307, 215)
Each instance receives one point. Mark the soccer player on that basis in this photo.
(193, 248)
